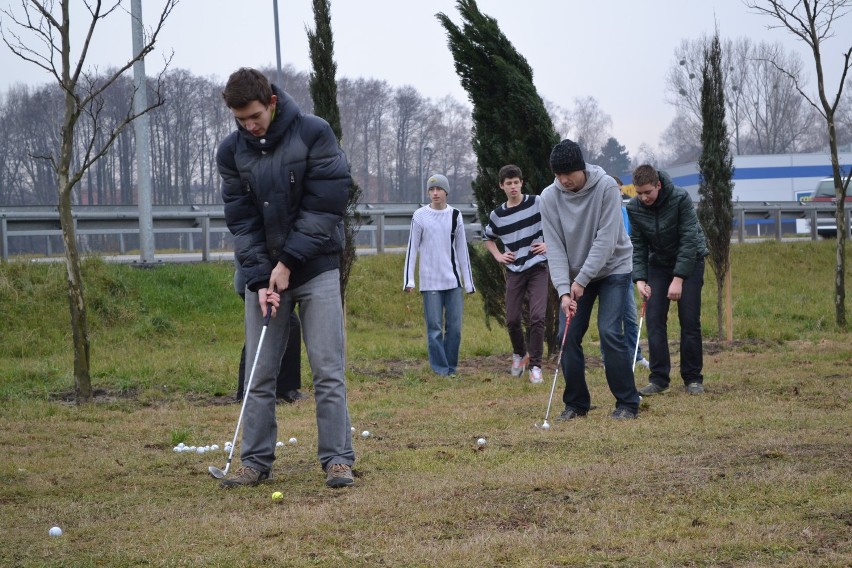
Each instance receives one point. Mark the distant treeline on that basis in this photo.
(394, 137)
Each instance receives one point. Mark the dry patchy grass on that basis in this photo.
(754, 473)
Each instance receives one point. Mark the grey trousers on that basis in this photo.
(322, 329)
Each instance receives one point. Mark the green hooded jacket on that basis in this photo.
(667, 233)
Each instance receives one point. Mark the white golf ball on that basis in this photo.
(353, 429)
(292, 440)
(214, 447)
(55, 531)
(545, 426)
(481, 442)
(177, 449)
(181, 445)
(192, 448)
(365, 434)
(279, 444)
(201, 450)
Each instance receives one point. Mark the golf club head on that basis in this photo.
(217, 473)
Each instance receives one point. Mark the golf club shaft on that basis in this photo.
(558, 364)
(248, 386)
(638, 335)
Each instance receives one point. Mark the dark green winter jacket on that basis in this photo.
(666, 233)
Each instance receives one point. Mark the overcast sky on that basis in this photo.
(617, 51)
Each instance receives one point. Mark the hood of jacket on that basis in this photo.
(593, 176)
(286, 111)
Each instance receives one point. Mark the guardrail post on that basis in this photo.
(778, 231)
(814, 234)
(4, 239)
(380, 233)
(741, 225)
(205, 239)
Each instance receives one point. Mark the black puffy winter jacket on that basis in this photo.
(285, 195)
(666, 233)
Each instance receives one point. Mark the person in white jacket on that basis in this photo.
(437, 235)
(589, 256)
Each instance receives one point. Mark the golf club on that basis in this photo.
(546, 425)
(639, 333)
(215, 471)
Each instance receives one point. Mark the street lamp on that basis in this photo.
(420, 177)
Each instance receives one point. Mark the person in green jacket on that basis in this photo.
(668, 266)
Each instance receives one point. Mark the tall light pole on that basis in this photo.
(141, 127)
(421, 179)
(278, 80)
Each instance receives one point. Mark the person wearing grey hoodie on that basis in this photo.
(589, 257)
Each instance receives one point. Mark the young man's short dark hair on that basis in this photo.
(510, 171)
(245, 86)
(645, 174)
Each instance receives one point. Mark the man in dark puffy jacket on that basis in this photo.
(285, 184)
(668, 265)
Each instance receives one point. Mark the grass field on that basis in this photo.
(754, 473)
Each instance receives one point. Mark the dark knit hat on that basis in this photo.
(566, 157)
(437, 180)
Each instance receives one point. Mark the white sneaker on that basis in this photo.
(519, 364)
(644, 362)
(535, 375)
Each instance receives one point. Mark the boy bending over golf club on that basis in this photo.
(285, 184)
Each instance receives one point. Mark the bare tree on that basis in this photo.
(408, 108)
(765, 114)
(560, 117)
(41, 36)
(591, 126)
(812, 22)
(679, 142)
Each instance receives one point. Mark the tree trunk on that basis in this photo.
(729, 305)
(720, 306)
(79, 325)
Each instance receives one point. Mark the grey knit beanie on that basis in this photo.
(437, 180)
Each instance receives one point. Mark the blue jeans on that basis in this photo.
(322, 330)
(631, 324)
(618, 366)
(443, 312)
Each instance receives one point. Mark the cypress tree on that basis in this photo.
(510, 126)
(323, 88)
(716, 170)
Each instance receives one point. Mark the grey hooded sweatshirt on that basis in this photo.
(584, 231)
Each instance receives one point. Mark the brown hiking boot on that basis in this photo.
(339, 475)
(246, 476)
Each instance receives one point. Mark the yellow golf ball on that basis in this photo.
(277, 495)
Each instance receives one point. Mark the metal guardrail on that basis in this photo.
(383, 225)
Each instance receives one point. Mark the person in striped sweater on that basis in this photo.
(437, 236)
(517, 224)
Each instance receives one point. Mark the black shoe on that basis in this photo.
(694, 388)
(570, 414)
(293, 396)
(624, 414)
(652, 388)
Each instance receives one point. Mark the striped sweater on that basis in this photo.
(444, 261)
(517, 227)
